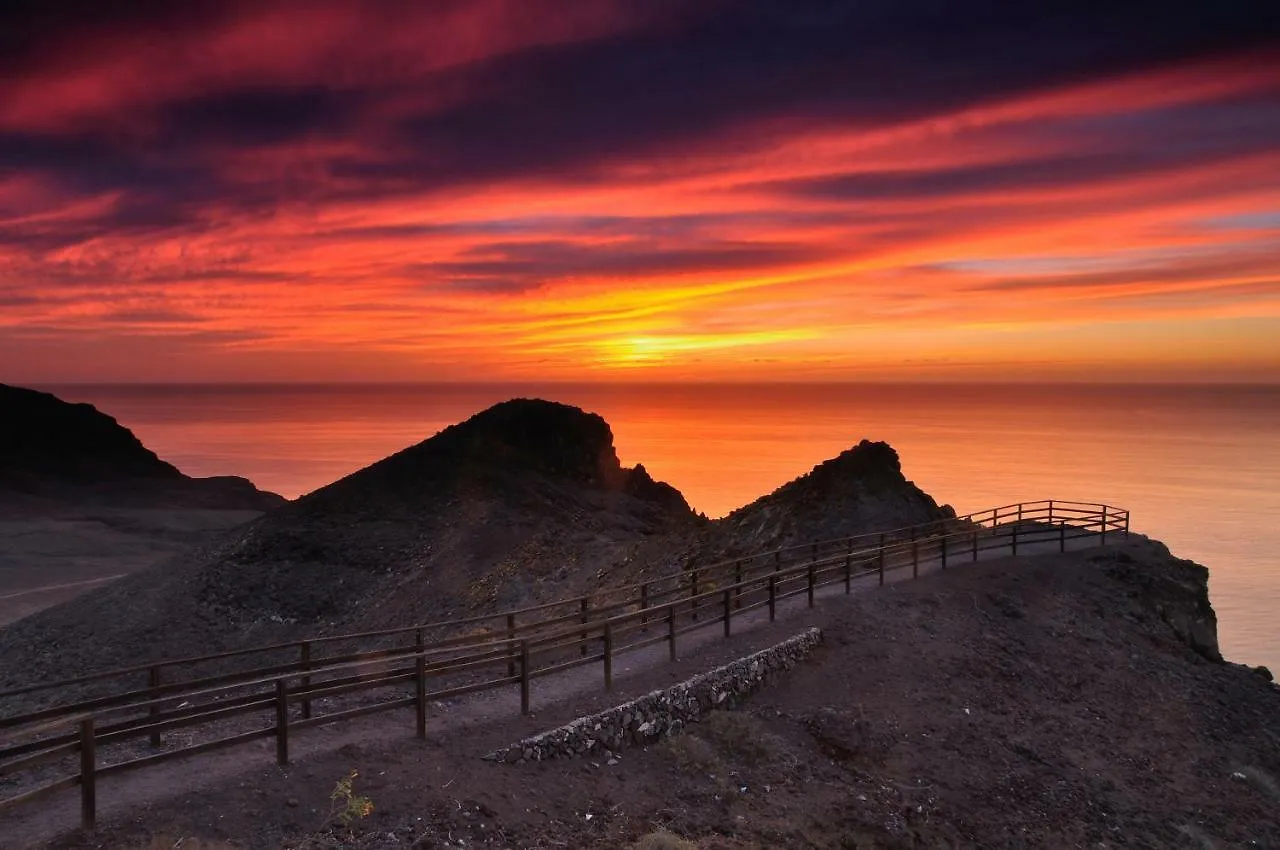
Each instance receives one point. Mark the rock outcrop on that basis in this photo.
(1174, 589)
(861, 490)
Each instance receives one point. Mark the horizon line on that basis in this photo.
(1065, 382)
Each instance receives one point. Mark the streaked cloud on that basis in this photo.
(493, 189)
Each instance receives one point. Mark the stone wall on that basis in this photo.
(659, 713)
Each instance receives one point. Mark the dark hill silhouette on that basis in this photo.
(53, 450)
(488, 510)
(523, 502)
(859, 491)
(526, 500)
(45, 438)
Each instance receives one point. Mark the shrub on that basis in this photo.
(691, 754)
(740, 736)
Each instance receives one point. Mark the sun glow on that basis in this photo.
(315, 236)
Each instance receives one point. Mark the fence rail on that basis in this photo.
(72, 743)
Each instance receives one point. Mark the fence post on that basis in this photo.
(813, 552)
(773, 596)
(155, 706)
(88, 775)
(420, 683)
(975, 545)
(693, 595)
(1126, 525)
(671, 631)
(728, 611)
(608, 656)
(305, 648)
(1013, 540)
(644, 605)
(881, 558)
(511, 646)
(848, 574)
(282, 722)
(1062, 537)
(524, 677)
(813, 580)
(1019, 511)
(583, 637)
(1051, 511)
(1103, 541)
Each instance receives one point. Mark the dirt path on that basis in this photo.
(485, 720)
(48, 559)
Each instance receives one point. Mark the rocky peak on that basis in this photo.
(500, 452)
(868, 464)
(860, 490)
(543, 436)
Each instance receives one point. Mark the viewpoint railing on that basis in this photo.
(75, 741)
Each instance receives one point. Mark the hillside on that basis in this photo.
(54, 454)
(863, 489)
(83, 502)
(523, 502)
(1071, 700)
(45, 438)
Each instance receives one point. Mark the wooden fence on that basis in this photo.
(276, 691)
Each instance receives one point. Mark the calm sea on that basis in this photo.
(1199, 467)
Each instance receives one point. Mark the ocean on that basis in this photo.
(1198, 466)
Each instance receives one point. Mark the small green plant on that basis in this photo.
(345, 805)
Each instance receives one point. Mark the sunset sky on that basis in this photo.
(649, 190)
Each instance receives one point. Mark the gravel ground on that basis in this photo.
(1055, 701)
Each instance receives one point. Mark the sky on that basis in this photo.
(651, 190)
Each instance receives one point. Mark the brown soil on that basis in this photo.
(1040, 702)
(57, 552)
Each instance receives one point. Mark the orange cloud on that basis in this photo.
(335, 226)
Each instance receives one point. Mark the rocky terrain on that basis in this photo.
(523, 502)
(83, 502)
(1071, 701)
(861, 490)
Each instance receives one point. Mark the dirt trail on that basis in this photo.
(487, 720)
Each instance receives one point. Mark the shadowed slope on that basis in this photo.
(859, 491)
(54, 453)
(526, 500)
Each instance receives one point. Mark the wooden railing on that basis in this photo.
(289, 687)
